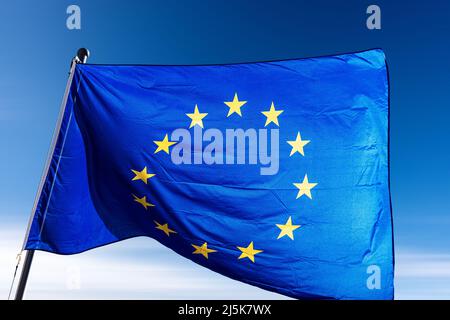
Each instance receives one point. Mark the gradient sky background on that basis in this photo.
(36, 48)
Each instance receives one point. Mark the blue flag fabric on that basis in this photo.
(275, 174)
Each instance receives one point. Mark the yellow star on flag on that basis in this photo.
(164, 228)
(196, 117)
(164, 144)
(203, 250)
(287, 229)
(249, 252)
(272, 115)
(235, 106)
(305, 187)
(298, 144)
(143, 201)
(142, 175)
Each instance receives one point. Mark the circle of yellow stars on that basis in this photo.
(196, 119)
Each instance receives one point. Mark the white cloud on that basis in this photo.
(422, 275)
(423, 265)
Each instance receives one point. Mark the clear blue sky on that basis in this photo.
(36, 48)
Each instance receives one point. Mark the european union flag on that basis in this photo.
(275, 174)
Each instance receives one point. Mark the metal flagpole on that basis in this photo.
(81, 57)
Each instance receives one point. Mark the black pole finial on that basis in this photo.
(82, 55)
